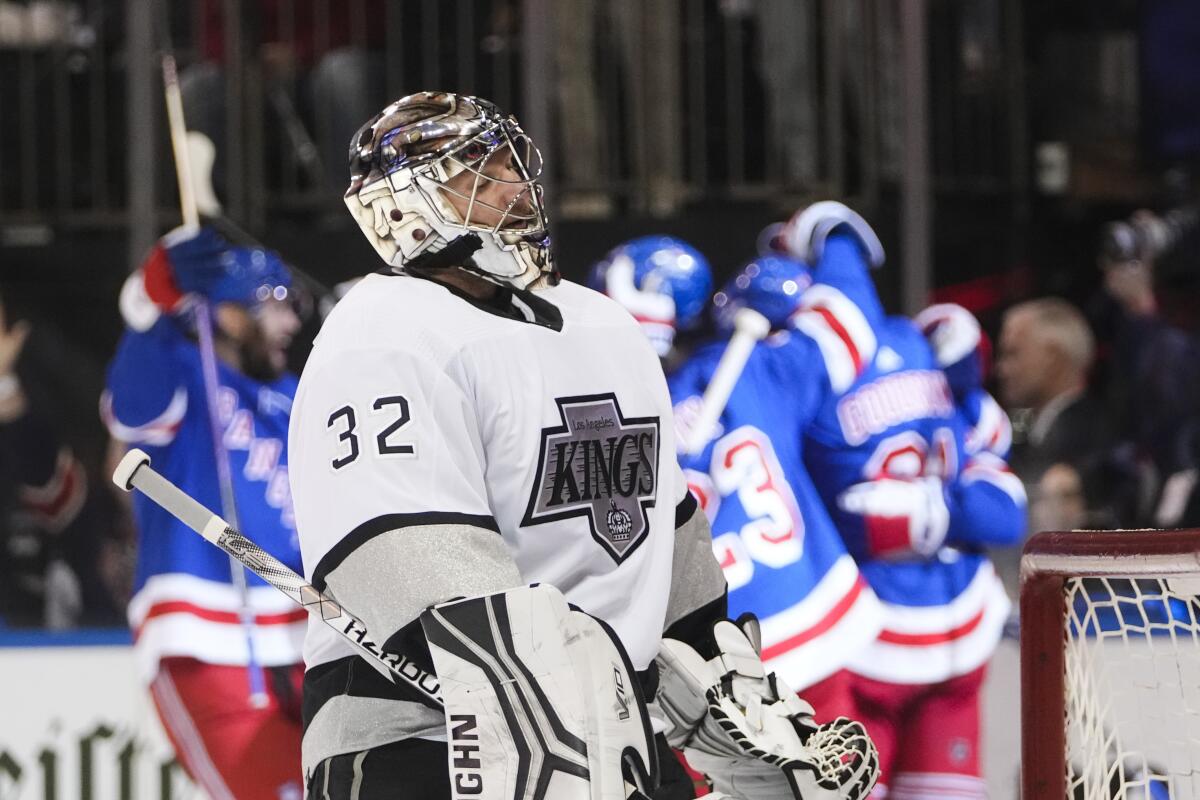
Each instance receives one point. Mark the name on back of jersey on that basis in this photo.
(893, 400)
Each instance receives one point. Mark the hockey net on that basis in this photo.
(1110, 665)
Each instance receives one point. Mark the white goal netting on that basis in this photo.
(1133, 688)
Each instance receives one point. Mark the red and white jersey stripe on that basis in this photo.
(184, 615)
(925, 645)
(840, 330)
(822, 633)
(158, 432)
(935, 785)
(992, 431)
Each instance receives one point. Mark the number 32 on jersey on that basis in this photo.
(388, 415)
(744, 465)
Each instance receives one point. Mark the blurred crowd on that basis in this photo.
(1104, 393)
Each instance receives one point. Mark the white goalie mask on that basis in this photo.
(432, 169)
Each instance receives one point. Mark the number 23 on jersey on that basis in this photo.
(744, 465)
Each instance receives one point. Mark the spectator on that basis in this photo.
(330, 53)
(58, 555)
(1156, 380)
(236, 736)
(1046, 351)
(645, 44)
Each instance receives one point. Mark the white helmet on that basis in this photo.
(401, 162)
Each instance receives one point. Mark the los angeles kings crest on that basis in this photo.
(599, 465)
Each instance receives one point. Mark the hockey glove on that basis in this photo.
(900, 517)
(750, 733)
(200, 262)
(805, 233)
(185, 261)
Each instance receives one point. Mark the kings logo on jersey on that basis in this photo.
(597, 465)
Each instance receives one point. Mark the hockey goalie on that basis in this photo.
(483, 468)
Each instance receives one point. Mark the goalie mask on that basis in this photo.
(440, 173)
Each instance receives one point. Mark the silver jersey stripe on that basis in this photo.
(356, 787)
(391, 578)
(348, 724)
(696, 577)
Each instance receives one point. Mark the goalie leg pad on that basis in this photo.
(541, 701)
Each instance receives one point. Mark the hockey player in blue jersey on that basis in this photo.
(192, 648)
(663, 282)
(783, 559)
(888, 455)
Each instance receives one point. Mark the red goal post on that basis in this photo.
(1060, 572)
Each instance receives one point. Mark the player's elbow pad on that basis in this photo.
(989, 504)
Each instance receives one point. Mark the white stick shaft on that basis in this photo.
(275, 572)
(750, 327)
(183, 164)
(191, 219)
(182, 506)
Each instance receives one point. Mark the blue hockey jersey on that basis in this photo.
(898, 419)
(781, 555)
(184, 603)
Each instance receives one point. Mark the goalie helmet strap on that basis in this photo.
(455, 254)
(521, 305)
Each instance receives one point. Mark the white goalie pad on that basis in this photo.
(749, 732)
(541, 700)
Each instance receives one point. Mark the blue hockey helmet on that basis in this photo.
(663, 281)
(772, 285)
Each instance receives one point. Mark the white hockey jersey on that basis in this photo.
(421, 407)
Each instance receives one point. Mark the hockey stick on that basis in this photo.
(208, 359)
(134, 472)
(749, 328)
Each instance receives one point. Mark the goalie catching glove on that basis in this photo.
(750, 733)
